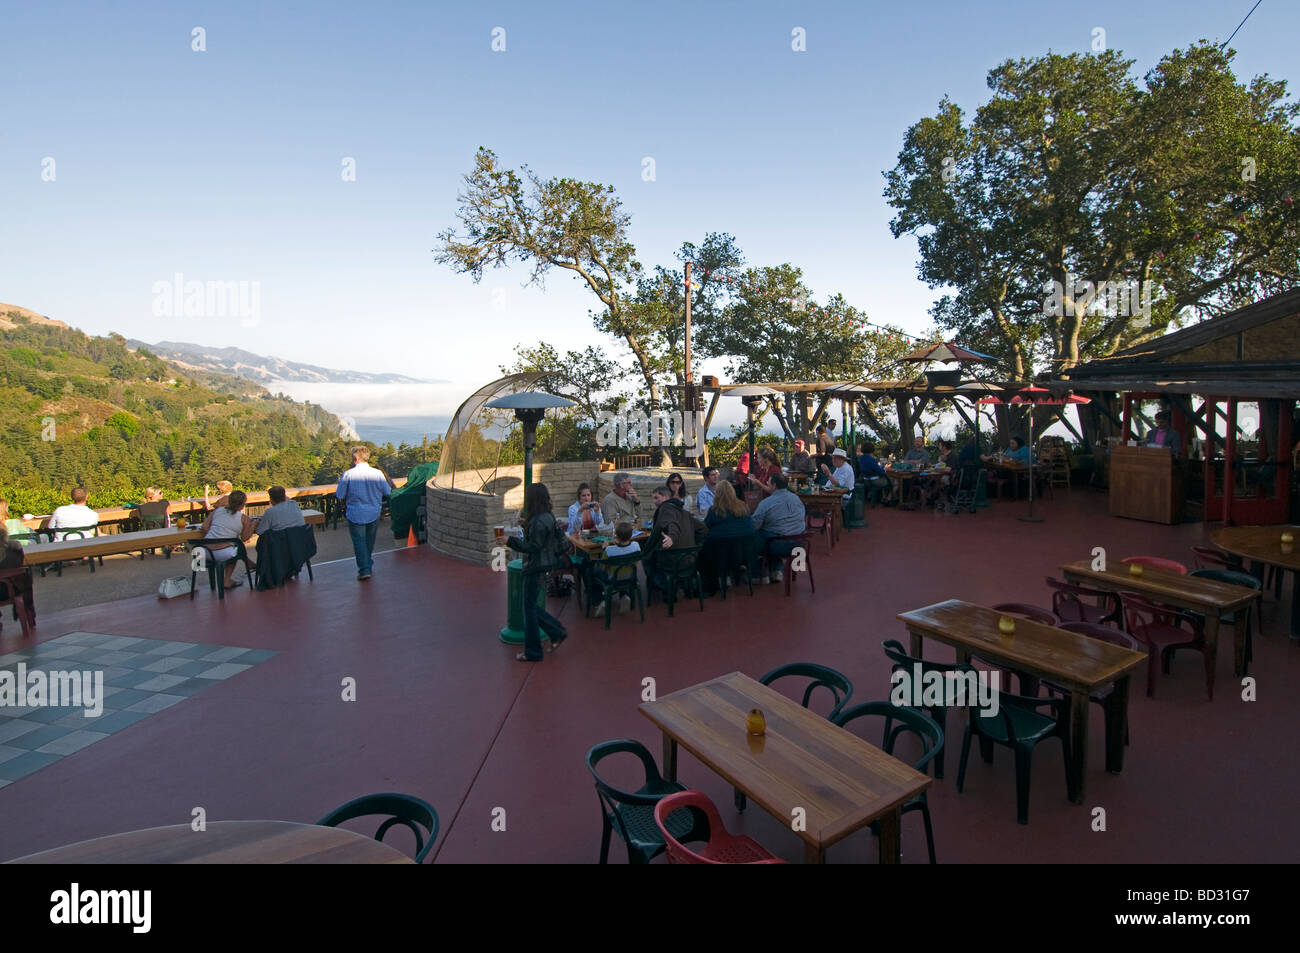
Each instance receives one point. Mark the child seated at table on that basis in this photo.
(623, 545)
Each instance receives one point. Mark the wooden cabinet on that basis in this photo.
(1146, 483)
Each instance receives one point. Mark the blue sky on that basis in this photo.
(224, 165)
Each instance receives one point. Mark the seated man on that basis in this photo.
(283, 513)
(673, 528)
(918, 453)
(872, 471)
(842, 475)
(781, 514)
(281, 548)
(76, 515)
(621, 505)
(802, 461)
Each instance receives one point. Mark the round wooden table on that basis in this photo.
(226, 842)
(1262, 545)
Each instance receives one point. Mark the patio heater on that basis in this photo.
(529, 407)
(752, 395)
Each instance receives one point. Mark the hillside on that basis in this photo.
(90, 411)
(255, 367)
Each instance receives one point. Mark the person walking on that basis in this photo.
(363, 490)
(543, 545)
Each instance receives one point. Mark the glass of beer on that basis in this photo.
(500, 534)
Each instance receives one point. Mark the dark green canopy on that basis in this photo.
(404, 500)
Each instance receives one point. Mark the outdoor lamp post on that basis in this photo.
(529, 407)
(752, 395)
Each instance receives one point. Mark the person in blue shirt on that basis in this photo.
(1016, 450)
(363, 490)
(871, 469)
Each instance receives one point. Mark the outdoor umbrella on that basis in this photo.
(946, 352)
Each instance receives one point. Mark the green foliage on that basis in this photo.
(119, 427)
(1075, 172)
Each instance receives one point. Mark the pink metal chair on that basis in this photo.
(722, 847)
(1211, 557)
(1160, 629)
(1158, 562)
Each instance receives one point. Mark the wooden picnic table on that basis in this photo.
(595, 548)
(226, 842)
(1209, 597)
(841, 782)
(1262, 545)
(195, 504)
(1075, 662)
(900, 476)
(68, 550)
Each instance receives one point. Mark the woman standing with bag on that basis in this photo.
(543, 545)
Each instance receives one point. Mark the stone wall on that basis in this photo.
(461, 519)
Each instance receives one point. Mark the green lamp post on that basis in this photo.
(529, 407)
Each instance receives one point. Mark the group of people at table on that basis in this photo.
(226, 519)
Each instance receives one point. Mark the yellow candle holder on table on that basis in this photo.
(1288, 543)
(755, 723)
(1135, 569)
(1006, 625)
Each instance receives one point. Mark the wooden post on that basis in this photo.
(1229, 461)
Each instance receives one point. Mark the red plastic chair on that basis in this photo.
(1160, 629)
(722, 847)
(820, 521)
(787, 562)
(1069, 605)
(1157, 562)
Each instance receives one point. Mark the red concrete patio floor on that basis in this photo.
(444, 712)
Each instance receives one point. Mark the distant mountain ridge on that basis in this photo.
(262, 370)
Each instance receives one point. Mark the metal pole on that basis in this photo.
(1031, 518)
(688, 324)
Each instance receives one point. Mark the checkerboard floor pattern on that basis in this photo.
(141, 678)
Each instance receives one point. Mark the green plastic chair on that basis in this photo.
(623, 581)
(685, 572)
(631, 813)
(1019, 726)
(400, 809)
(938, 713)
(912, 721)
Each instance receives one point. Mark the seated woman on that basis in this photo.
(677, 484)
(15, 527)
(873, 472)
(769, 466)
(585, 512)
(229, 522)
(1016, 450)
(727, 520)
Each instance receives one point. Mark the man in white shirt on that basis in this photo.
(76, 515)
(843, 475)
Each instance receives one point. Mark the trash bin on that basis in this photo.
(855, 507)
